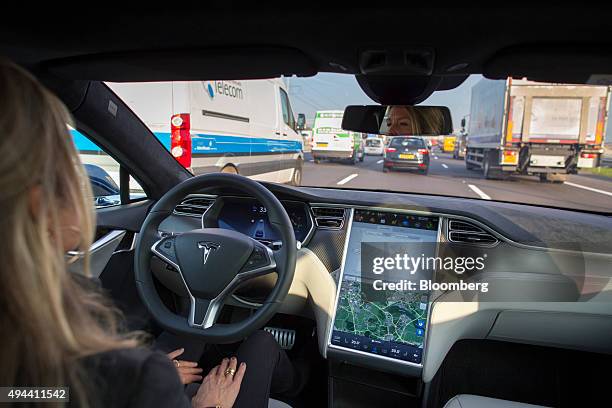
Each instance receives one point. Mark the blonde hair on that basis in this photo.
(426, 122)
(49, 320)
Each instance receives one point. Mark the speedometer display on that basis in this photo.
(249, 217)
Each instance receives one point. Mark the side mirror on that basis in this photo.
(105, 191)
(398, 120)
(463, 123)
(301, 121)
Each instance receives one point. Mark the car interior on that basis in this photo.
(541, 336)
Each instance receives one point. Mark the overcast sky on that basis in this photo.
(336, 91)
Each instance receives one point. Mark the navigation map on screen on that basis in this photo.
(393, 323)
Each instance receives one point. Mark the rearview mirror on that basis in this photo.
(398, 120)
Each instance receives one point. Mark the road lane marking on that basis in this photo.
(567, 183)
(347, 179)
(479, 192)
(445, 166)
(380, 161)
(436, 157)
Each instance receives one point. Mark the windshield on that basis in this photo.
(406, 143)
(512, 140)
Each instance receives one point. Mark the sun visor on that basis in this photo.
(186, 65)
(545, 63)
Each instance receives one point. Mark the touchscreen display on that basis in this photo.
(391, 323)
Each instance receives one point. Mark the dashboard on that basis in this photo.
(529, 249)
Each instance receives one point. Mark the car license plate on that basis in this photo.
(321, 144)
(406, 156)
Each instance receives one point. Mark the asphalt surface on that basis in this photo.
(450, 177)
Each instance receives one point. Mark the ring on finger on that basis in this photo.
(230, 371)
(177, 363)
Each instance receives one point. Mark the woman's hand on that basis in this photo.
(187, 370)
(219, 388)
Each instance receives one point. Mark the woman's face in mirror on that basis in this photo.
(400, 121)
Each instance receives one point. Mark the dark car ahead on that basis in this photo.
(406, 152)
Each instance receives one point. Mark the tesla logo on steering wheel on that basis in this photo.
(207, 248)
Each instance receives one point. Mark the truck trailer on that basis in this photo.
(533, 128)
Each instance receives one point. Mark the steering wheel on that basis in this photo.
(212, 261)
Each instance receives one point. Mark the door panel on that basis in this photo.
(100, 253)
(117, 274)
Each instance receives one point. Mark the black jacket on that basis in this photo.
(132, 378)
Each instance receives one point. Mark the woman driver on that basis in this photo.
(56, 333)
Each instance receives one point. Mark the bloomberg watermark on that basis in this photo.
(459, 273)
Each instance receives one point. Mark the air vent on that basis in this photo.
(193, 206)
(468, 233)
(329, 217)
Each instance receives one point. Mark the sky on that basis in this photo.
(336, 91)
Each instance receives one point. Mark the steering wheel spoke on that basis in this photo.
(261, 262)
(204, 312)
(165, 249)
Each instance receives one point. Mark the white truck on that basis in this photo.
(330, 141)
(244, 127)
(533, 128)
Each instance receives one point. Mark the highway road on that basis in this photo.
(450, 177)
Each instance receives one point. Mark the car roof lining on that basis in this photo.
(242, 41)
(195, 64)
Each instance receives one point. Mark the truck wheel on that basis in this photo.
(486, 168)
(489, 172)
(296, 179)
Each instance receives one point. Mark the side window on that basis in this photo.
(104, 173)
(286, 107)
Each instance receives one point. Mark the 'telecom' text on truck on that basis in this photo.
(544, 129)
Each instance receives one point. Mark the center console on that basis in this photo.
(377, 323)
